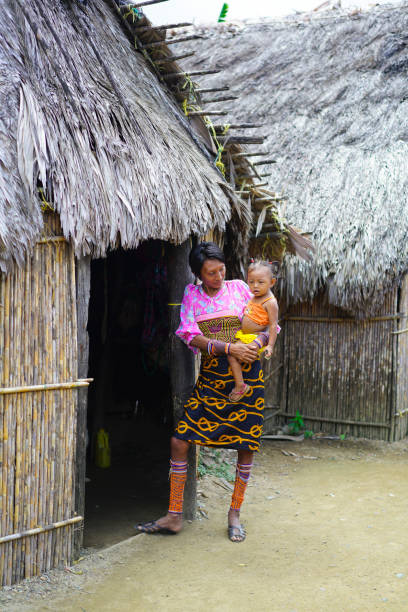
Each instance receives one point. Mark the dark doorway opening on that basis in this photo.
(130, 397)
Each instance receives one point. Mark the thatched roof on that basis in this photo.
(82, 114)
(332, 93)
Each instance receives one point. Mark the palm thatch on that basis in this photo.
(83, 116)
(331, 91)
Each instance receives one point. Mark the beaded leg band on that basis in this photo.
(241, 481)
(178, 477)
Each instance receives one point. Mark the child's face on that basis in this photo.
(260, 280)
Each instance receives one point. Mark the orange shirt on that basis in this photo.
(257, 313)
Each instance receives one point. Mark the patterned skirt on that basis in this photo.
(210, 419)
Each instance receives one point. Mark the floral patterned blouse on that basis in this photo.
(197, 306)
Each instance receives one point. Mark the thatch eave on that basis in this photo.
(93, 124)
(331, 92)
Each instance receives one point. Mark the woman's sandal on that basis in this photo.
(154, 527)
(235, 396)
(236, 533)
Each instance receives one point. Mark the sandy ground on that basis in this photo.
(327, 531)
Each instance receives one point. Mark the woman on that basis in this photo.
(210, 317)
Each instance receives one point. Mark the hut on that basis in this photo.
(330, 89)
(101, 177)
(110, 167)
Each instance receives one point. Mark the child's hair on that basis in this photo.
(272, 266)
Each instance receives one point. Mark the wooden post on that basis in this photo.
(181, 359)
(83, 287)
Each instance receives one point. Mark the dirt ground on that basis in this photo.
(327, 531)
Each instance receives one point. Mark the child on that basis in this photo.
(260, 314)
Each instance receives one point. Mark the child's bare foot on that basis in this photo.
(239, 392)
(171, 524)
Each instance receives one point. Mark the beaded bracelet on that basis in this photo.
(210, 348)
(258, 343)
(227, 348)
(219, 347)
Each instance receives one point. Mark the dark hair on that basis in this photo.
(272, 266)
(200, 253)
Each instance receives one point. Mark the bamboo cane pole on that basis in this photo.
(28, 418)
(64, 422)
(38, 530)
(23, 421)
(17, 298)
(23, 513)
(12, 433)
(3, 427)
(30, 401)
(47, 260)
(66, 492)
(36, 412)
(46, 387)
(40, 315)
(73, 399)
(56, 398)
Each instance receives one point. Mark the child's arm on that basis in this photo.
(271, 308)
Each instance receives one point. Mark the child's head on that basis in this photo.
(262, 276)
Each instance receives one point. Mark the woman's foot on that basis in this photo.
(239, 392)
(171, 524)
(236, 531)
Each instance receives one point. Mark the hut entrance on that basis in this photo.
(130, 398)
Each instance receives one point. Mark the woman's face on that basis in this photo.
(213, 273)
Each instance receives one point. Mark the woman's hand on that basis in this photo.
(245, 352)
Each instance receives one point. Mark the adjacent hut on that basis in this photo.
(97, 162)
(331, 91)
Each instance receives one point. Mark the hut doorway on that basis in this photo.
(130, 397)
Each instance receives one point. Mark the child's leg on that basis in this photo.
(236, 371)
(241, 388)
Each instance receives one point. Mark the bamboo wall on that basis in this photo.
(339, 373)
(37, 427)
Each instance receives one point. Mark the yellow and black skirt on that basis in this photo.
(211, 419)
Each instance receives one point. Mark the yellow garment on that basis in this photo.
(102, 451)
(247, 338)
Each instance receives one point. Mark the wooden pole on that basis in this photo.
(242, 139)
(221, 99)
(182, 370)
(169, 26)
(211, 89)
(174, 75)
(265, 161)
(139, 4)
(206, 112)
(173, 41)
(332, 420)
(246, 154)
(173, 58)
(83, 288)
(235, 126)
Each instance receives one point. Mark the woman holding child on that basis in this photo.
(225, 409)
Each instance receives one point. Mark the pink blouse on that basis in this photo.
(197, 306)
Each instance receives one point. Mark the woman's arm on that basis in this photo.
(244, 352)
